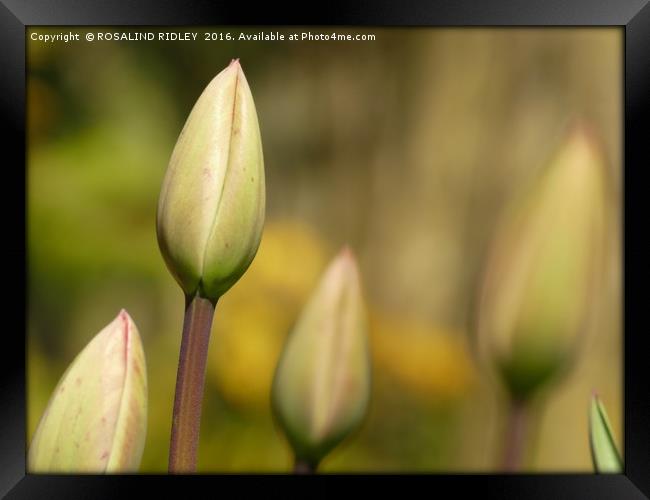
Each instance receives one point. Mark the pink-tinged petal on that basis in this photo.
(95, 421)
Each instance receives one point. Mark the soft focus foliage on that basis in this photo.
(406, 147)
(96, 419)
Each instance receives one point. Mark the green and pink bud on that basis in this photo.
(544, 269)
(212, 201)
(321, 387)
(96, 419)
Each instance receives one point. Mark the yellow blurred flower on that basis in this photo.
(258, 312)
(432, 363)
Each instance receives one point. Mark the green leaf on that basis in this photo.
(603, 449)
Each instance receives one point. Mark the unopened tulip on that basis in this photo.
(543, 269)
(211, 206)
(209, 226)
(322, 382)
(603, 448)
(96, 419)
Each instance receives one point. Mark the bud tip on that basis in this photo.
(346, 252)
(581, 129)
(125, 318)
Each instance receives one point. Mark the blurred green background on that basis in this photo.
(406, 148)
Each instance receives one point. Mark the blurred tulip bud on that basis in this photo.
(543, 269)
(211, 206)
(96, 419)
(322, 382)
(603, 449)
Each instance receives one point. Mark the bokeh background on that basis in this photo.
(406, 147)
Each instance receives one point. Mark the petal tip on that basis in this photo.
(124, 315)
(581, 131)
(346, 252)
(126, 323)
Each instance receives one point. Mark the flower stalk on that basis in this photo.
(515, 436)
(186, 418)
(303, 467)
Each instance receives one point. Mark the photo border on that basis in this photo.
(631, 15)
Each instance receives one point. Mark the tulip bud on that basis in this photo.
(321, 386)
(543, 268)
(96, 418)
(603, 449)
(211, 206)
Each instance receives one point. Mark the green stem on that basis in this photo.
(186, 419)
(303, 467)
(515, 436)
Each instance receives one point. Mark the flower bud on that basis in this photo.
(211, 206)
(321, 386)
(603, 449)
(96, 419)
(543, 269)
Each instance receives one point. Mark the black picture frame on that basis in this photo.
(633, 16)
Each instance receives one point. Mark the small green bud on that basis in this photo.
(321, 386)
(96, 419)
(543, 268)
(211, 206)
(603, 449)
